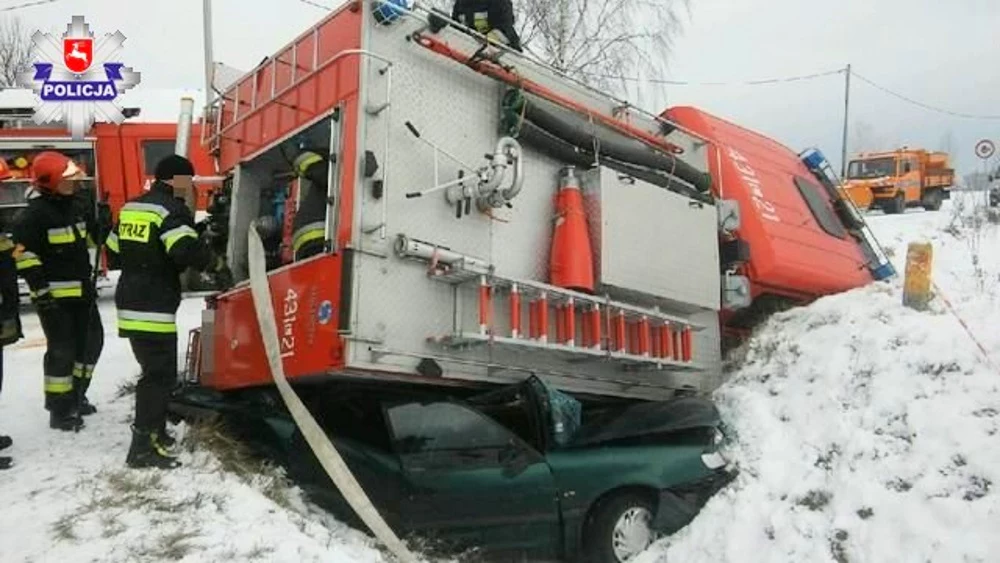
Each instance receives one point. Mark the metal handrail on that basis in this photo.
(292, 84)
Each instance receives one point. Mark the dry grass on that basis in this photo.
(237, 458)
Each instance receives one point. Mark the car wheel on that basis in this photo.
(619, 529)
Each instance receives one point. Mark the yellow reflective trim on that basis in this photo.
(58, 385)
(61, 237)
(309, 161)
(67, 292)
(306, 237)
(139, 216)
(112, 243)
(24, 263)
(137, 231)
(147, 326)
(173, 236)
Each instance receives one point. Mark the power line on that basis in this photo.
(316, 5)
(26, 5)
(780, 80)
(921, 104)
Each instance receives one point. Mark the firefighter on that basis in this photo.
(52, 253)
(492, 18)
(155, 242)
(309, 226)
(10, 319)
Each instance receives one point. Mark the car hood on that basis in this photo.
(644, 419)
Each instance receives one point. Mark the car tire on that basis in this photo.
(618, 528)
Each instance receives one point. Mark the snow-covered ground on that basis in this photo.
(864, 431)
(70, 496)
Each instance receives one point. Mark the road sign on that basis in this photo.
(985, 149)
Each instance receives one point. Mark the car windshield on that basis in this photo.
(873, 168)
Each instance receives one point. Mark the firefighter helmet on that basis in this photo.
(305, 161)
(49, 168)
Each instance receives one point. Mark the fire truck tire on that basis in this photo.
(318, 441)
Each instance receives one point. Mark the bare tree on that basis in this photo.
(17, 51)
(604, 43)
(865, 139)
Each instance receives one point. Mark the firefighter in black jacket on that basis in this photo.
(53, 238)
(10, 319)
(155, 241)
(492, 18)
(309, 226)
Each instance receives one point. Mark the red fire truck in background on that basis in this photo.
(118, 159)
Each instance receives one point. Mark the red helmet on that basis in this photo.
(49, 168)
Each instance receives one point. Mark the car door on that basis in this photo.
(472, 482)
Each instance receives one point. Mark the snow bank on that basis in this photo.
(865, 431)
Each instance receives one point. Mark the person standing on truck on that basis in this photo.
(52, 254)
(492, 18)
(309, 225)
(155, 242)
(10, 319)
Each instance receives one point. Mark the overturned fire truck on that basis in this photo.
(470, 235)
(488, 218)
(490, 223)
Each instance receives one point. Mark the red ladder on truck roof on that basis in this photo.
(283, 94)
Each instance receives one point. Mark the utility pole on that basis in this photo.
(847, 109)
(209, 57)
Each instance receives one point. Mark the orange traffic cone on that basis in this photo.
(571, 263)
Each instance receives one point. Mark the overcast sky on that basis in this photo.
(946, 54)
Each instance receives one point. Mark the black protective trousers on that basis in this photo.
(75, 338)
(158, 359)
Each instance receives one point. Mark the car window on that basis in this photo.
(433, 427)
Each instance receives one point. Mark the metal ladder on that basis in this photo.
(586, 327)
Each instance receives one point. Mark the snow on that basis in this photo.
(70, 497)
(866, 431)
(863, 430)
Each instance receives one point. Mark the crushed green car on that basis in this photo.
(522, 472)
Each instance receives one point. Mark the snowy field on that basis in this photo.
(864, 432)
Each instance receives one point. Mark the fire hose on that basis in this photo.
(317, 439)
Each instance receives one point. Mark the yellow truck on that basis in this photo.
(893, 181)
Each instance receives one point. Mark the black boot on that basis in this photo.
(86, 409)
(5, 442)
(5, 462)
(146, 451)
(164, 438)
(66, 421)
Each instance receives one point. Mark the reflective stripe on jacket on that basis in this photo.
(155, 241)
(52, 251)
